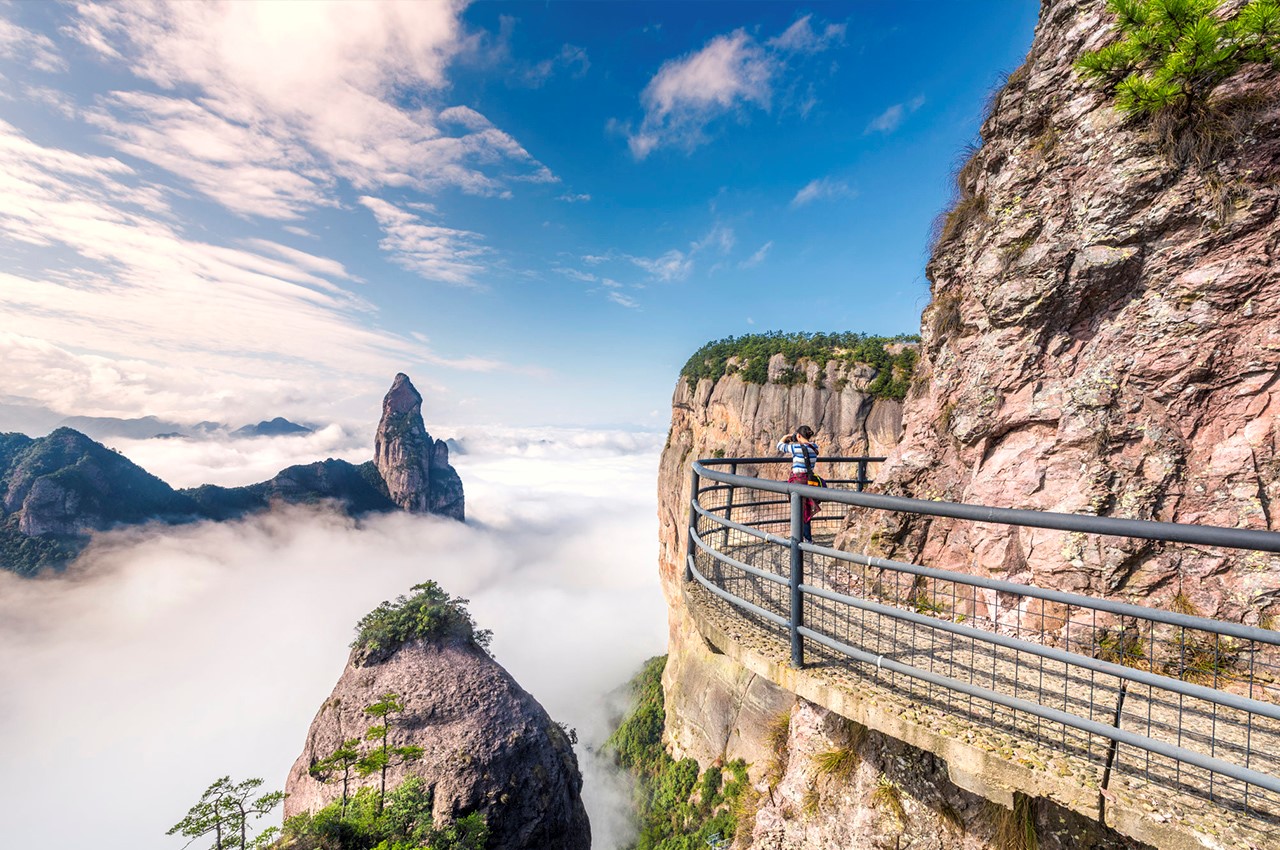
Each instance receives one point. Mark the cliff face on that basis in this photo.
(715, 708)
(1104, 338)
(488, 745)
(415, 468)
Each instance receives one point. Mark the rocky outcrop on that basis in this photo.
(415, 468)
(488, 746)
(715, 708)
(57, 490)
(1104, 338)
(836, 784)
(66, 484)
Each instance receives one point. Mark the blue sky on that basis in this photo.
(537, 210)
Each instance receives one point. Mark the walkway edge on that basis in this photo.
(970, 767)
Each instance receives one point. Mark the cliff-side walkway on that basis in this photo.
(1124, 714)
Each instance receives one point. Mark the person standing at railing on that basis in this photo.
(804, 457)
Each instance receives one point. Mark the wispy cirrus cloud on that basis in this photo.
(34, 49)
(731, 75)
(670, 266)
(267, 104)
(433, 252)
(825, 188)
(142, 317)
(758, 257)
(889, 120)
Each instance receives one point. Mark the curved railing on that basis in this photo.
(1195, 702)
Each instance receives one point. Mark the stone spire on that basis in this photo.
(415, 468)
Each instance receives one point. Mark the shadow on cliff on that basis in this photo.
(167, 657)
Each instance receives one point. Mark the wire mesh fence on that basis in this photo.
(1167, 698)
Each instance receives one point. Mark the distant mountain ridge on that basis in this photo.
(55, 491)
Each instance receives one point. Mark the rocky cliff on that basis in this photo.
(1104, 338)
(55, 491)
(488, 746)
(415, 468)
(716, 709)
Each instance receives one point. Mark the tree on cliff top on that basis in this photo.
(430, 613)
(1171, 54)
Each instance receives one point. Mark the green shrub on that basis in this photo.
(405, 824)
(430, 613)
(668, 819)
(752, 353)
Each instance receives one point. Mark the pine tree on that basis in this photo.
(224, 810)
(340, 762)
(385, 756)
(1171, 54)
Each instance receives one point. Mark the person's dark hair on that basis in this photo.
(805, 431)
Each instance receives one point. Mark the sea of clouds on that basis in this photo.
(168, 657)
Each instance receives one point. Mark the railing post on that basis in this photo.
(797, 578)
(693, 523)
(862, 474)
(728, 505)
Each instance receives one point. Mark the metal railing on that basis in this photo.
(1195, 702)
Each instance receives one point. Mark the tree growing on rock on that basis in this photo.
(340, 763)
(384, 756)
(224, 810)
(1171, 54)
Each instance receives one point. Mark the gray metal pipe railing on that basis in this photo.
(799, 590)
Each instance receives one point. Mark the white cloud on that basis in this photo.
(436, 253)
(288, 97)
(757, 258)
(889, 120)
(730, 75)
(801, 38)
(22, 45)
(686, 94)
(55, 99)
(144, 318)
(719, 238)
(671, 266)
(825, 188)
(187, 624)
(623, 300)
(574, 199)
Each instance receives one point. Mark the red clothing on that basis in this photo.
(808, 507)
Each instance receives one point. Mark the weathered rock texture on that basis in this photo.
(415, 467)
(715, 708)
(1104, 338)
(488, 745)
(890, 795)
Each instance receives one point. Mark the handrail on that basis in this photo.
(1157, 651)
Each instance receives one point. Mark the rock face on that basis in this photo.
(415, 468)
(715, 708)
(891, 795)
(1104, 338)
(488, 745)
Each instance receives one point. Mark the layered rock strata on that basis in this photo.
(715, 708)
(1104, 338)
(488, 746)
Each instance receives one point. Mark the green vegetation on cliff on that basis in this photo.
(678, 807)
(1172, 53)
(404, 823)
(429, 614)
(751, 354)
